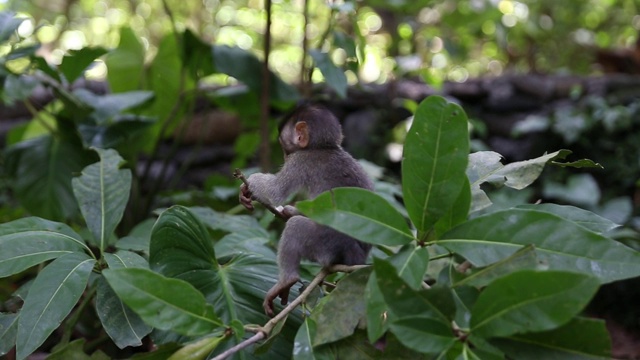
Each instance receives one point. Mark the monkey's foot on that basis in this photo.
(278, 290)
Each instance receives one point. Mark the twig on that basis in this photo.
(239, 175)
(263, 332)
(254, 339)
(265, 149)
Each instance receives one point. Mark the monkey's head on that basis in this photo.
(310, 127)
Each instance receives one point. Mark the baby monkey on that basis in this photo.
(314, 162)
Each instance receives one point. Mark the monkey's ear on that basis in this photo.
(302, 134)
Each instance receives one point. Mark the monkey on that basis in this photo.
(314, 162)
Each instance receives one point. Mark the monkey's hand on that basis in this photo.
(245, 197)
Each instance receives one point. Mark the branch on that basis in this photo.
(239, 175)
(265, 149)
(263, 332)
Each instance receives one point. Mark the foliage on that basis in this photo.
(510, 283)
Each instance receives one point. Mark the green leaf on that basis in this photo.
(435, 303)
(458, 213)
(41, 169)
(485, 166)
(102, 192)
(9, 23)
(559, 243)
(527, 301)
(561, 343)
(53, 295)
(74, 350)
(583, 163)
(411, 263)
(30, 241)
(125, 64)
(589, 220)
(303, 347)
(181, 248)
(178, 234)
(164, 303)
(74, 64)
(422, 334)
(435, 158)
(107, 106)
(247, 68)
(377, 310)
(339, 315)
(359, 213)
(8, 330)
(199, 349)
(123, 325)
(522, 259)
(333, 75)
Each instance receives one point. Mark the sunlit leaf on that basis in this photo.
(333, 75)
(75, 63)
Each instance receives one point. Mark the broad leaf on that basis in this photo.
(561, 343)
(303, 343)
(30, 241)
(559, 243)
(9, 23)
(102, 192)
(591, 221)
(359, 213)
(338, 316)
(107, 106)
(181, 248)
(527, 301)
(378, 316)
(74, 64)
(164, 303)
(55, 292)
(333, 75)
(41, 170)
(123, 325)
(126, 63)
(8, 331)
(456, 214)
(435, 158)
(522, 259)
(424, 335)
(411, 263)
(435, 303)
(486, 166)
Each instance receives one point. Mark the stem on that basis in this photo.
(304, 81)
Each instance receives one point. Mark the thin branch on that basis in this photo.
(263, 332)
(254, 339)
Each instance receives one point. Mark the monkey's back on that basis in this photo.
(331, 168)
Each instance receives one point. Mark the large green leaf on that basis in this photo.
(181, 248)
(486, 166)
(126, 63)
(528, 301)
(525, 258)
(338, 316)
(8, 331)
(560, 243)
(107, 106)
(359, 213)
(435, 158)
(303, 343)
(179, 235)
(378, 316)
(164, 303)
(30, 241)
(74, 64)
(333, 75)
(458, 213)
(123, 325)
(591, 221)
(53, 295)
(561, 343)
(102, 192)
(41, 170)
